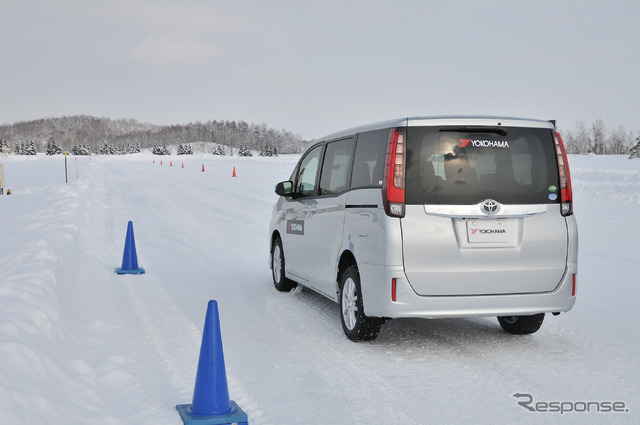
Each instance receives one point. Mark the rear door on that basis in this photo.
(325, 223)
(482, 214)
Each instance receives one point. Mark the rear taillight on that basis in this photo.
(394, 174)
(566, 195)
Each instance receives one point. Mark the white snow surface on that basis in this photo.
(82, 345)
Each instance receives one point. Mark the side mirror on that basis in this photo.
(284, 188)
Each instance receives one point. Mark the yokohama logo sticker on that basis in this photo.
(295, 227)
(484, 143)
(487, 231)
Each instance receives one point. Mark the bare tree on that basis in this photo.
(583, 139)
(599, 137)
(619, 141)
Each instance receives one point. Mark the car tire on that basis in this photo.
(356, 325)
(280, 281)
(521, 325)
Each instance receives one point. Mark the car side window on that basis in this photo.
(336, 167)
(368, 162)
(305, 183)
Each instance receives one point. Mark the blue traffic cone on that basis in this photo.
(130, 258)
(211, 404)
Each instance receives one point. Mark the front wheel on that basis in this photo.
(356, 325)
(280, 281)
(521, 325)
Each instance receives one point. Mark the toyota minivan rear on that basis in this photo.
(434, 217)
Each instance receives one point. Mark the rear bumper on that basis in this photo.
(376, 289)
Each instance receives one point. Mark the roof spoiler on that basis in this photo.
(553, 122)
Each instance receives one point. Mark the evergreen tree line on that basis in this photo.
(635, 151)
(598, 139)
(23, 148)
(119, 135)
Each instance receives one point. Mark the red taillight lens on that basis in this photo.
(394, 173)
(398, 164)
(573, 289)
(566, 194)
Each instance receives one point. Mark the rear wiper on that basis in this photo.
(495, 130)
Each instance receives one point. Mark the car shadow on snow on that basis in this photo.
(446, 331)
(476, 335)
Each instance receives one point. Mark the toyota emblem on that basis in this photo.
(490, 207)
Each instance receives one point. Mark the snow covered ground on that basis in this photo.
(82, 345)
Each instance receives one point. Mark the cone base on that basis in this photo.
(136, 271)
(237, 416)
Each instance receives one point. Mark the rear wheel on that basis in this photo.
(521, 325)
(277, 268)
(356, 325)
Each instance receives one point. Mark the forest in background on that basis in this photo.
(95, 133)
(100, 135)
(598, 139)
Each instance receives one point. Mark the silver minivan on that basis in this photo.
(431, 217)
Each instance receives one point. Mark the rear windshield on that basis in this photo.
(454, 166)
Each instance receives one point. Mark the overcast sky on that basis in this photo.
(315, 67)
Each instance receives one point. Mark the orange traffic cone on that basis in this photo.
(183, 165)
(171, 164)
(203, 168)
(234, 172)
(160, 162)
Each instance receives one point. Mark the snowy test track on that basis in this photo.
(80, 344)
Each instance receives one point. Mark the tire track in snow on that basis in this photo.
(175, 343)
(334, 358)
(170, 334)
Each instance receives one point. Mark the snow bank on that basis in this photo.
(606, 178)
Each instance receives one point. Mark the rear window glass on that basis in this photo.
(336, 167)
(452, 166)
(368, 163)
